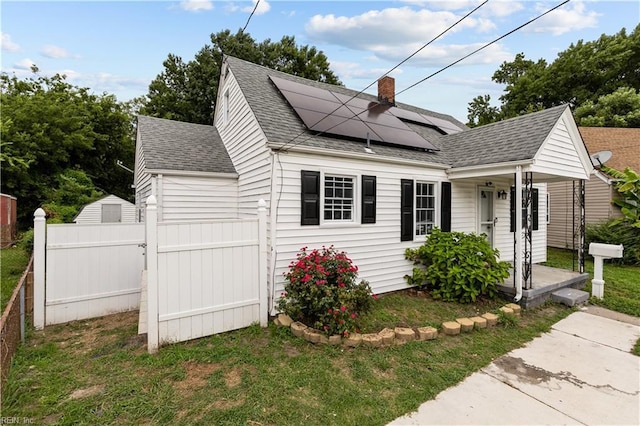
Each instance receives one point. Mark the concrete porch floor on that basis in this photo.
(545, 280)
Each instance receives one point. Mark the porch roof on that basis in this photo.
(546, 143)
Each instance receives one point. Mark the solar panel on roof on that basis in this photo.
(330, 112)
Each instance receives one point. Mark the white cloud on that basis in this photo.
(440, 55)
(573, 16)
(355, 71)
(8, 44)
(263, 7)
(196, 5)
(56, 52)
(24, 64)
(391, 27)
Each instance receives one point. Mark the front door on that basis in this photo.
(487, 217)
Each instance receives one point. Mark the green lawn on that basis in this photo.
(98, 372)
(13, 262)
(622, 282)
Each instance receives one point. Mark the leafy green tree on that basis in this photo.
(628, 185)
(49, 126)
(480, 111)
(186, 91)
(618, 109)
(74, 190)
(584, 72)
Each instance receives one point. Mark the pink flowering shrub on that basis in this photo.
(322, 292)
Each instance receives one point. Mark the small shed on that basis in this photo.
(8, 214)
(109, 209)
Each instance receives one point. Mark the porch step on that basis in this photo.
(569, 296)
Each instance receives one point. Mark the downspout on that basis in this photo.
(517, 279)
(274, 200)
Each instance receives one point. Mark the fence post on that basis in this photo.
(151, 217)
(39, 241)
(262, 262)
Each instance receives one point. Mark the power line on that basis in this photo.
(484, 47)
(383, 75)
(426, 78)
(252, 12)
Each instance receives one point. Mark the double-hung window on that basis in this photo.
(418, 204)
(425, 208)
(338, 198)
(332, 198)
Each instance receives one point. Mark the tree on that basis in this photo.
(618, 109)
(583, 73)
(481, 112)
(187, 91)
(50, 126)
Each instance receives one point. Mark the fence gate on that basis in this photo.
(90, 270)
(204, 278)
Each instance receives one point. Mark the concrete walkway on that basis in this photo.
(579, 373)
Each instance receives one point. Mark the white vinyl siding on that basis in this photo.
(559, 156)
(375, 248)
(190, 198)
(246, 144)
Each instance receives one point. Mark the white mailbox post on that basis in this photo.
(600, 252)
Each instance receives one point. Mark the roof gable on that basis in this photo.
(179, 146)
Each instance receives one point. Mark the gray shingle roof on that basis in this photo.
(515, 139)
(175, 145)
(510, 140)
(281, 125)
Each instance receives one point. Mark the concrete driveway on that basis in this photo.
(579, 373)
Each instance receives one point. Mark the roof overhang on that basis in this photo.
(359, 156)
(485, 170)
(190, 173)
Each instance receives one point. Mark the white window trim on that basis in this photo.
(355, 216)
(436, 207)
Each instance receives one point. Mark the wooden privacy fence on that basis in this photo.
(204, 278)
(90, 270)
(13, 322)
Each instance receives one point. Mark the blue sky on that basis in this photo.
(119, 46)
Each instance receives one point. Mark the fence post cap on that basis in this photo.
(262, 204)
(152, 200)
(39, 213)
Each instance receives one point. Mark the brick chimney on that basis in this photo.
(387, 90)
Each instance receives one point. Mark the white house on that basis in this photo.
(109, 209)
(364, 173)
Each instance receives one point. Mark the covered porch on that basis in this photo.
(510, 163)
(544, 281)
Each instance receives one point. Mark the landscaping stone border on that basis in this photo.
(399, 335)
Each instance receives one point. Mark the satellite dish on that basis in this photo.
(599, 158)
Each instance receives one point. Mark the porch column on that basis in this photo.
(517, 261)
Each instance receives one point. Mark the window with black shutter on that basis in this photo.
(406, 210)
(310, 198)
(534, 209)
(445, 207)
(368, 199)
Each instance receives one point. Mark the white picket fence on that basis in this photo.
(204, 278)
(90, 270)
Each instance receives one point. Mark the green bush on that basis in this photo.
(616, 232)
(322, 292)
(456, 266)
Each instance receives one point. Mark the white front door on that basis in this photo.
(487, 216)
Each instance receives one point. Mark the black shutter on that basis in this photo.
(445, 207)
(534, 208)
(310, 198)
(406, 210)
(512, 209)
(368, 199)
